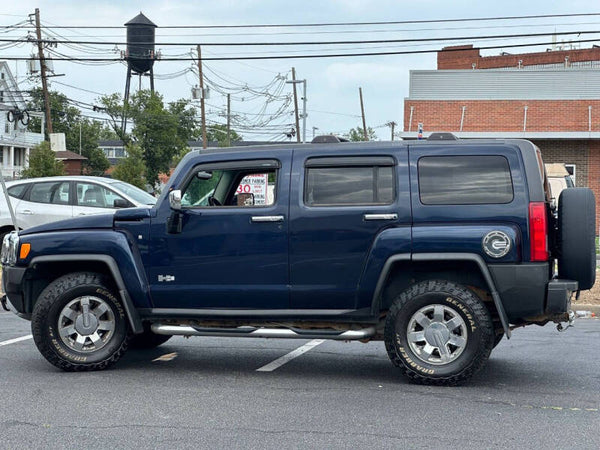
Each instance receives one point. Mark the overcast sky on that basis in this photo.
(332, 83)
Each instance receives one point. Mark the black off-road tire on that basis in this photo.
(45, 323)
(577, 236)
(497, 339)
(478, 325)
(147, 339)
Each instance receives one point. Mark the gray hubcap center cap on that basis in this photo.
(437, 334)
(86, 324)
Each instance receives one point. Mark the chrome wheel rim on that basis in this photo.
(437, 334)
(86, 324)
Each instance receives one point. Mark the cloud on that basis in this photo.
(343, 75)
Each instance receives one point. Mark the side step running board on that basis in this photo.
(293, 333)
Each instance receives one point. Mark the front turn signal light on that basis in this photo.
(25, 249)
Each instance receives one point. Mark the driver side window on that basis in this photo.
(244, 186)
(200, 189)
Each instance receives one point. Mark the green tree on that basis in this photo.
(43, 163)
(219, 133)
(81, 134)
(357, 134)
(131, 169)
(107, 133)
(160, 132)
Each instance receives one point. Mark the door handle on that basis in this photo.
(27, 212)
(82, 214)
(380, 216)
(262, 219)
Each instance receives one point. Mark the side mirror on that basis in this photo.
(175, 200)
(204, 175)
(120, 203)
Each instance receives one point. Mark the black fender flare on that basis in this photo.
(421, 257)
(131, 311)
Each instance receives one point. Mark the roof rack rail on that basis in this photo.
(442, 137)
(328, 139)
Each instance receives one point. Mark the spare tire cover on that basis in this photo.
(577, 236)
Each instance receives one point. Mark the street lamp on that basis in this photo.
(303, 106)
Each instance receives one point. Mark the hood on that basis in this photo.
(77, 223)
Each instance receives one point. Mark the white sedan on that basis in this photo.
(37, 201)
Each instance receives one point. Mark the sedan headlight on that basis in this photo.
(10, 247)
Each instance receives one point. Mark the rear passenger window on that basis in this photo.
(352, 181)
(56, 193)
(464, 180)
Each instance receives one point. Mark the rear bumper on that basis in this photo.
(527, 290)
(12, 278)
(558, 297)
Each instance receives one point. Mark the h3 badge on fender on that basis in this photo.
(496, 244)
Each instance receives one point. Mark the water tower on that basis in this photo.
(140, 54)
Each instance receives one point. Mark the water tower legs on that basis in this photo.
(126, 102)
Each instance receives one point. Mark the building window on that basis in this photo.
(119, 152)
(1, 96)
(464, 180)
(572, 169)
(19, 157)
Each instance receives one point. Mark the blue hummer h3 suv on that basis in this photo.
(438, 248)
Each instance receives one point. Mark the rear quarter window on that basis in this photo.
(464, 180)
(17, 191)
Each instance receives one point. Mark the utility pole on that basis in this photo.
(228, 120)
(38, 31)
(296, 104)
(304, 112)
(202, 111)
(304, 115)
(362, 111)
(392, 125)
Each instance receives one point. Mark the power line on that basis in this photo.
(358, 31)
(346, 42)
(337, 24)
(332, 55)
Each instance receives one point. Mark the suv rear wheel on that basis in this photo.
(79, 324)
(438, 332)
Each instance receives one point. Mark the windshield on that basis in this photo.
(135, 193)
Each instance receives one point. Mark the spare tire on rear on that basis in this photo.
(577, 236)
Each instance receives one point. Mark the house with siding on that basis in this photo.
(16, 141)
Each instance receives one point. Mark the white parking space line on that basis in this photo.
(14, 341)
(291, 355)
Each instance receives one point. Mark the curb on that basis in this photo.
(583, 307)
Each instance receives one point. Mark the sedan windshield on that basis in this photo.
(135, 193)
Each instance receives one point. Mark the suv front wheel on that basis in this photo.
(438, 332)
(79, 324)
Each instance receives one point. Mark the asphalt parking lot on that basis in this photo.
(540, 389)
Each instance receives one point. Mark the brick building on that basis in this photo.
(551, 98)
